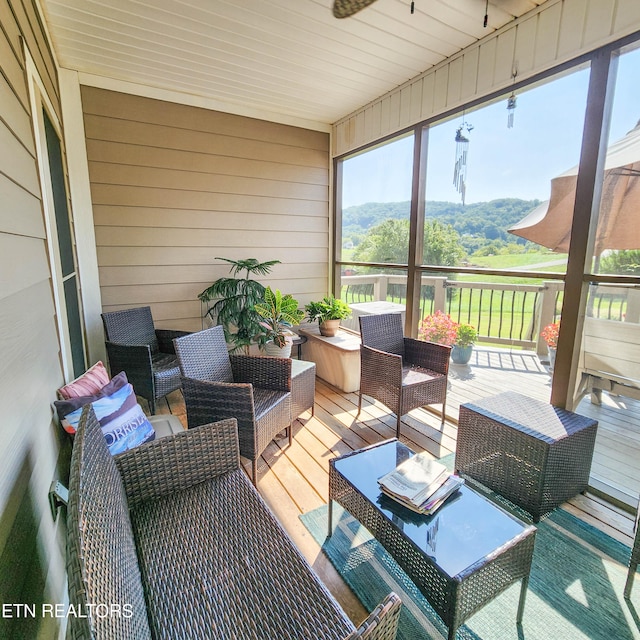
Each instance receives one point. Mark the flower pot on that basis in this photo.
(461, 355)
(272, 349)
(329, 328)
(552, 357)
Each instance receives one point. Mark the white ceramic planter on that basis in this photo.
(272, 349)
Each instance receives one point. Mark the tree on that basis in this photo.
(386, 242)
(625, 262)
(442, 244)
(389, 242)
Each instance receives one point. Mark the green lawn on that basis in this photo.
(539, 260)
(507, 314)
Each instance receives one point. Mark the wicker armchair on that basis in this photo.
(144, 353)
(171, 540)
(400, 372)
(635, 558)
(255, 390)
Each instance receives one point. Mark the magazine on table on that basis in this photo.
(420, 483)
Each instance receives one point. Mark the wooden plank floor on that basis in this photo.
(615, 469)
(294, 480)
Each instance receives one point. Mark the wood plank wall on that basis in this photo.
(173, 187)
(31, 543)
(556, 32)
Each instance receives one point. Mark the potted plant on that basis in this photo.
(550, 335)
(235, 298)
(438, 327)
(466, 336)
(328, 312)
(278, 314)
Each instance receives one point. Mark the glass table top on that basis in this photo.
(464, 530)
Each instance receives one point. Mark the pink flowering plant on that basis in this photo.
(440, 328)
(550, 334)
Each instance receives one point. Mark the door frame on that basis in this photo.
(39, 101)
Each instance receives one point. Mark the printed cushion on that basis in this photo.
(122, 419)
(89, 383)
(67, 407)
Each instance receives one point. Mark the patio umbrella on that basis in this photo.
(618, 225)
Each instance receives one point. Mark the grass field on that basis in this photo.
(496, 314)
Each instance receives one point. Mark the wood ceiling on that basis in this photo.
(289, 60)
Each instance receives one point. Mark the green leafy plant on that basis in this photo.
(466, 335)
(329, 308)
(235, 298)
(279, 313)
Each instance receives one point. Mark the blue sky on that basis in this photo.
(518, 162)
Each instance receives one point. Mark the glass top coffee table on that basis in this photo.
(460, 558)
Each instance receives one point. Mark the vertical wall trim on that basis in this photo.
(80, 194)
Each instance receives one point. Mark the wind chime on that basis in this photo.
(511, 101)
(460, 167)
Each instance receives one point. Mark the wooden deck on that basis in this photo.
(294, 480)
(615, 470)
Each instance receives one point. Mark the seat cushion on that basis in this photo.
(418, 375)
(166, 425)
(228, 570)
(421, 387)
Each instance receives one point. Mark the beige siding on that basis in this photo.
(31, 543)
(554, 33)
(174, 186)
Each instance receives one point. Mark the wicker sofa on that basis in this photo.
(171, 540)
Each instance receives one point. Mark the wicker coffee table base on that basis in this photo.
(456, 598)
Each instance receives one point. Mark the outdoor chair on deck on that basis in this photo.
(402, 373)
(144, 353)
(256, 390)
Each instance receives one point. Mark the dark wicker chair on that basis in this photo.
(400, 372)
(144, 353)
(635, 558)
(256, 390)
(173, 540)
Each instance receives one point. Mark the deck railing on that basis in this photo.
(503, 314)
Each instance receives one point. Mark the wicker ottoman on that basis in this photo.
(303, 387)
(535, 455)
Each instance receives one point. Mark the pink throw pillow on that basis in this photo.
(88, 384)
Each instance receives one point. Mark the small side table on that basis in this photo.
(532, 453)
(298, 341)
(303, 387)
